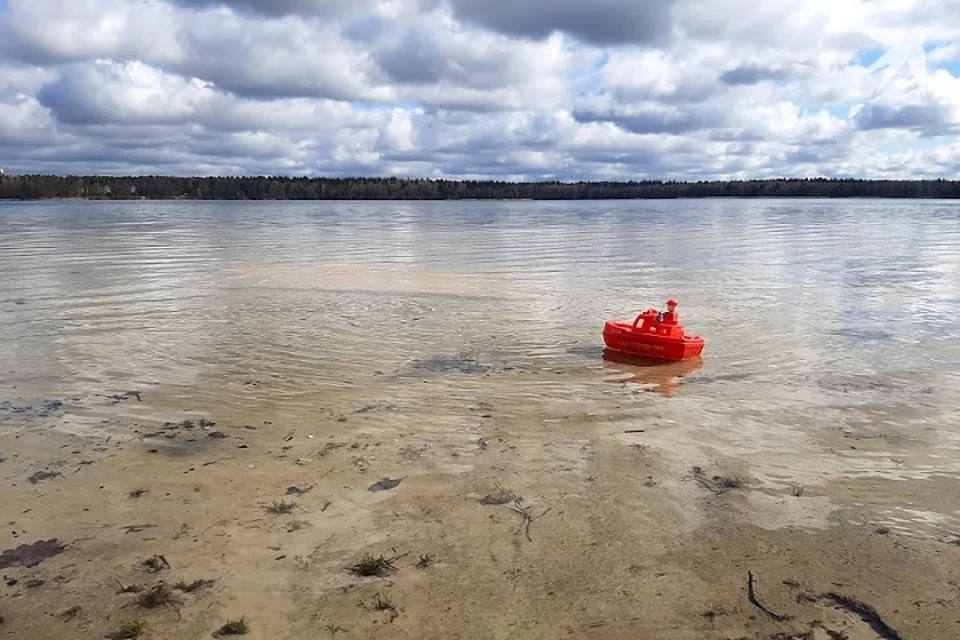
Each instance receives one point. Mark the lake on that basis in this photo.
(813, 310)
(831, 367)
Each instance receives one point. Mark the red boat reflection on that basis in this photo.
(656, 375)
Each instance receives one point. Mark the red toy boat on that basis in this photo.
(654, 334)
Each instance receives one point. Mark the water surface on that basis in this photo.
(833, 338)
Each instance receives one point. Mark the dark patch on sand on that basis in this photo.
(30, 555)
(453, 364)
(384, 484)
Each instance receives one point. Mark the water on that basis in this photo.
(829, 324)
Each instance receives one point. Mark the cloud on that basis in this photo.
(689, 89)
(746, 74)
(601, 22)
(277, 57)
(21, 118)
(123, 93)
(451, 56)
(929, 109)
(653, 119)
(17, 79)
(287, 7)
(783, 24)
(910, 116)
(316, 8)
(53, 31)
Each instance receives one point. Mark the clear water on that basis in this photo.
(825, 321)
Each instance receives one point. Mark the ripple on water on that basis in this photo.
(825, 322)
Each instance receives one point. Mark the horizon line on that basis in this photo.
(266, 176)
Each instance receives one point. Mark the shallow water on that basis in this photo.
(833, 338)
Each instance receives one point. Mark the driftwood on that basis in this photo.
(514, 503)
(752, 597)
(718, 484)
(528, 518)
(866, 613)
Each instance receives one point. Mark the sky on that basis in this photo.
(482, 89)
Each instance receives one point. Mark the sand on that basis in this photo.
(606, 534)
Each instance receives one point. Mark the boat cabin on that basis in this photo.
(661, 323)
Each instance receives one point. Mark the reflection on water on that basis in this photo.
(827, 321)
(655, 375)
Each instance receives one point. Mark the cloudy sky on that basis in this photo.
(508, 89)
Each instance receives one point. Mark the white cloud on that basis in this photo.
(286, 7)
(65, 30)
(287, 56)
(696, 89)
(20, 116)
(398, 133)
(105, 92)
(23, 80)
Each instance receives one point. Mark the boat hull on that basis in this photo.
(626, 338)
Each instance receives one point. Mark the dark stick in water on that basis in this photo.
(752, 596)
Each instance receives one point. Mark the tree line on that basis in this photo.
(37, 187)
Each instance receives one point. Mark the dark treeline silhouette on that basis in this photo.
(35, 187)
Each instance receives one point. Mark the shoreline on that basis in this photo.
(358, 188)
(538, 521)
(438, 200)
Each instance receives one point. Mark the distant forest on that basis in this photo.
(37, 187)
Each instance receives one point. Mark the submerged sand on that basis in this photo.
(515, 516)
